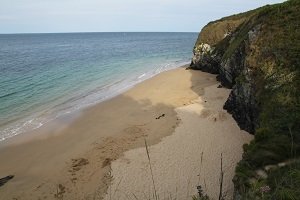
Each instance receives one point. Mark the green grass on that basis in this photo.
(275, 64)
(214, 31)
(277, 77)
(274, 60)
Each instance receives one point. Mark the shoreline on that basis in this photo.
(44, 120)
(74, 160)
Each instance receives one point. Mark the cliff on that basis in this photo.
(257, 55)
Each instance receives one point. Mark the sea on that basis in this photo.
(45, 76)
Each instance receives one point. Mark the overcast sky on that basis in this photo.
(27, 16)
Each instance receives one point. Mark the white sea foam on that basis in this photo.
(46, 76)
(81, 101)
(141, 76)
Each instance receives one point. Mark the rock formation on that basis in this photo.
(257, 55)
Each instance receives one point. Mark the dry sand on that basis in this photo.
(188, 158)
(71, 157)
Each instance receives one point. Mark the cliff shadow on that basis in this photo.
(66, 153)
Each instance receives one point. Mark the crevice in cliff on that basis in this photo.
(259, 61)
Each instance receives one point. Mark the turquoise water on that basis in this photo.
(44, 76)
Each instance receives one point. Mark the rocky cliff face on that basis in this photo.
(257, 55)
(233, 71)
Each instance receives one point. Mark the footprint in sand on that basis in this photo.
(61, 190)
(78, 163)
(205, 113)
(125, 160)
(133, 130)
(222, 115)
(219, 116)
(106, 162)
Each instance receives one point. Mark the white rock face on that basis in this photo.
(203, 47)
(227, 34)
(200, 51)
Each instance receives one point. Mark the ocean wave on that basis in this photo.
(83, 100)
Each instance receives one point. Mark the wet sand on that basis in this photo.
(72, 159)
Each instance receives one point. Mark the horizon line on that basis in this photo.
(99, 32)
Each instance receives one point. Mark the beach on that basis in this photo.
(100, 152)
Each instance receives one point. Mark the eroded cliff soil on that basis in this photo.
(257, 55)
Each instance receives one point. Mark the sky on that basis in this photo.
(51, 16)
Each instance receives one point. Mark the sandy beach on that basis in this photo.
(101, 149)
(188, 158)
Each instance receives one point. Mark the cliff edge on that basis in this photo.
(257, 55)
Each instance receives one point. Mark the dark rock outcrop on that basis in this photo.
(257, 55)
(242, 105)
(5, 179)
(233, 72)
(207, 64)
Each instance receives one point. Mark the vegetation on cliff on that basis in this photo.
(259, 59)
(221, 28)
